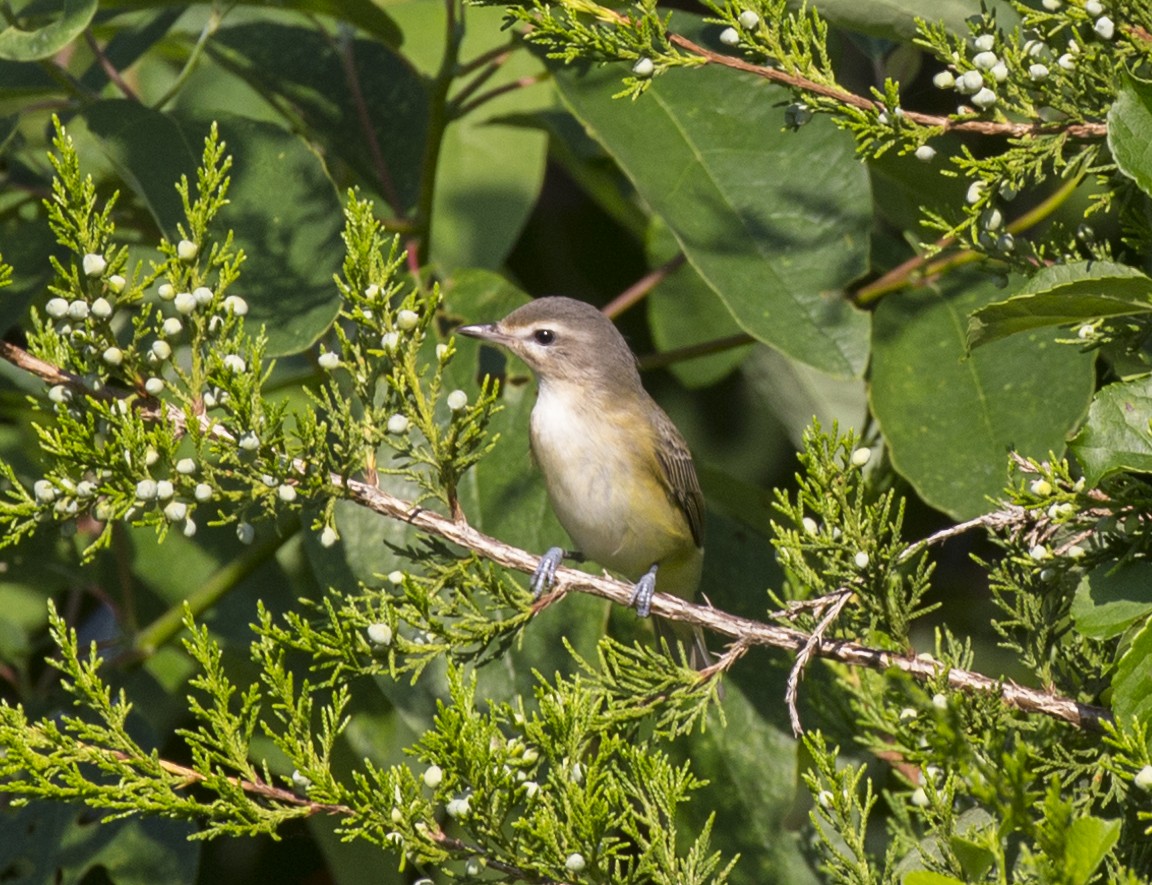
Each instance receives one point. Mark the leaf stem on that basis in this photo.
(439, 119)
(109, 68)
(909, 272)
(346, 50)
(642, 286)
(210, 28)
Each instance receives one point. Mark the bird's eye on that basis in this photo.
(544, 336)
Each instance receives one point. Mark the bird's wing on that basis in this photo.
(680, 475)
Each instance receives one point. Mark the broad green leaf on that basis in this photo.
(1064, 294)
(683, 311)
(369, 17)
(131, 45)
(776, 222)
(589, 166)
(1132, 681)
(18, 44)
(282, 207)
(1087, 842)
(896, 19)
(1110, 598)
(1117, 435)
(488, 174)
(60, 842)
(301, 68)
(750, 765)
(149, 150)
(1130, 131)
(951, 417)
(926, 877)
(796, 393)
(975, 859)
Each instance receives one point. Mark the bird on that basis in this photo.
(620, 477)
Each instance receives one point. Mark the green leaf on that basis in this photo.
(1116, 435)
(1063, 294)
(1130, 131)
(975, 859)
(1087, 842)
(775, 222)
(60, 842)
(896, 19)
(17, 44)
(1111, 598)
(149, 150)
(683, 310)
(489, 173)
(925, 877)
(301, 68)
(1132, 681)
(950, 417)
(286, 216)
(749, 764)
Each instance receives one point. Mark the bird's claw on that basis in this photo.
(545, 573)
(642, 593)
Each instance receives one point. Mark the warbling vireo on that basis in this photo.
(619, 475)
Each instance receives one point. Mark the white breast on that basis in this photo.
(599, 488)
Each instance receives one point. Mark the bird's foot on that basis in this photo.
(545, 573)
(642, 593)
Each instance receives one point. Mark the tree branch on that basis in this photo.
(948, 124)
(744, 631)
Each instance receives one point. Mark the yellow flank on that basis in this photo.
(607, 487)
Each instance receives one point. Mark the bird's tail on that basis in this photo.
(685, 642)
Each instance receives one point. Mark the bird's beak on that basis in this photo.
(484, 331)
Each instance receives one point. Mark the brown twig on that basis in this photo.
(838, 600)
(346, 51)
(109, 68)
(642, 286)
(257, 788)
(695, 351)
(744, 631)
(947, 124)
(465, 108)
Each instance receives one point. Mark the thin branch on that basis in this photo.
(470, 88)
(695, 351)
(212, 590)
(643, 286)
(746, 630)
(211, 25)
(258, 788)
(346, 50)
(742, 630)
(109, 68)
(947, 124)
(496, 52)
(838, 599)
(909, 272)
(1010, 515)
(466, 108)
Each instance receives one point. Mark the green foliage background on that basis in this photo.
(801, 258)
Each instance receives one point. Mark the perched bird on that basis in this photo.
(620, 477)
